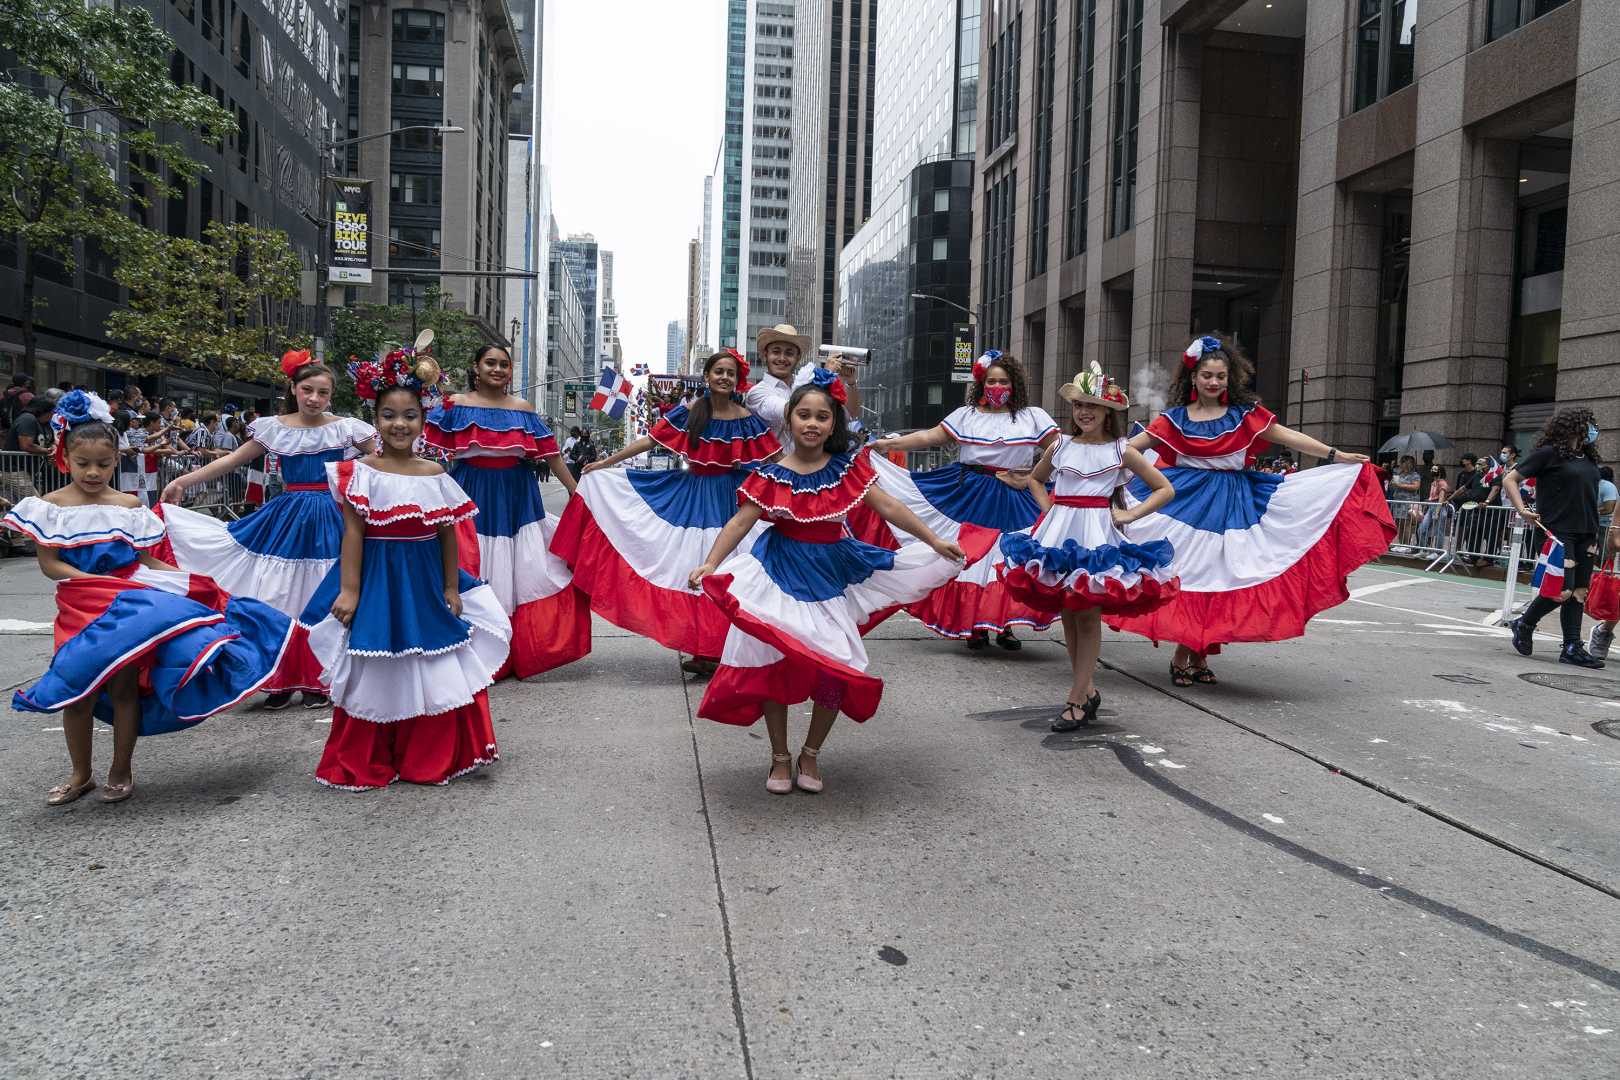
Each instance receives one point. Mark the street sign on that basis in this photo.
(576, 397)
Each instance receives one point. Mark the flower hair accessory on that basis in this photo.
(742, 369)
(76, 407)
(401, 368)
(1091, 385)
(982, 366)
(825, 380)
(1195, 352)
(292, 360)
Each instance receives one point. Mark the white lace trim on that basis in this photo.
(386, 497)
(279, 438)
(478, 763)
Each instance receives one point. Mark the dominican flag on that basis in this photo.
(640, 369)
(612, 393)
(1548, 578)
(254, 496)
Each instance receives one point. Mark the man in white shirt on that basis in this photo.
(781, 348)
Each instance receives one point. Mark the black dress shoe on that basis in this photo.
(1067, 721)
(1006, 640)
(978, 640)
(1521, 636)
(1575, 653)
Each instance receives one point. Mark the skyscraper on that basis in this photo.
(729, 168)
(835, 48)
(583, 259)
(528, 190)
(674, 347)
(767, 151)
(611, 351)
(694, 303)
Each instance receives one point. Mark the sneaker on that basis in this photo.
(1598, 645)
(278, 701)
(316, 701)
(1575, 653)
(1521, 636)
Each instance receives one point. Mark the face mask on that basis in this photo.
(997, 396)
(1591, 433)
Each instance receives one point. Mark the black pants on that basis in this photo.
(1579, 554)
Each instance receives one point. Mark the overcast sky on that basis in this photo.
(636, 115)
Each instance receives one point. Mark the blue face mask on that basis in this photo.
(1591, 433)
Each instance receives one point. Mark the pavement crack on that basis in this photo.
(719, 885)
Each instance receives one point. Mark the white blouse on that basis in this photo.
(998, 439)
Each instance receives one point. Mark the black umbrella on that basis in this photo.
(1416, 442)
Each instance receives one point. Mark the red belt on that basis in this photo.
(1085, 502)
(305, 487)
(409, 529)
(484, 461)
(811, 532)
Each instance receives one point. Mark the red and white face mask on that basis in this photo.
(997, 396)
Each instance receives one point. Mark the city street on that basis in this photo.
(1389, 849)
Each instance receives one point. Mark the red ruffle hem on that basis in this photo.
(361, 755)
(1116, 598)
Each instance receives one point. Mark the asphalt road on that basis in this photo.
(1379, 851)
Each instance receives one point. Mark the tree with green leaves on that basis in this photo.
(222, 305)
(81, 119)
(363, 331)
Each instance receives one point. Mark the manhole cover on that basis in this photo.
(1611, 728)
(1590, 685)
(1466, 679)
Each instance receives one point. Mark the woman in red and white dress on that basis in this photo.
(491, 436)
(1258, 553)
(632, 535)
(999, 434)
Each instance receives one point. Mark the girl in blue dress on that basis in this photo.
(139, 645)
(408, 641)
(282, 551)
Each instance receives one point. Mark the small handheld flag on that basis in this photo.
(612, 395)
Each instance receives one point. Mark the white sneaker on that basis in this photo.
(1598, 644)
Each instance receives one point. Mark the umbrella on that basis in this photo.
(1416, 442)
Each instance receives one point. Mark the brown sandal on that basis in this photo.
(1180, 676)
(62, 794)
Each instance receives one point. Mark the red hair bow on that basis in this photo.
(742, 369)
(292, 360)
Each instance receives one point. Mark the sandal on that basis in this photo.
(62, 794)
(117, 792)
(1203, 676)
(1181, 676)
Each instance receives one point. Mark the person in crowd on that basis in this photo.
(25, 447)
(798, 595)
(1468, 492)
(217, 440)
(998, 434)
(1436, 521)
(139, 644)
(1405, 491)
(408, 640)
(581, 454)
(492, 437)
(1077, 563)
(1258, 555)
(1564, 465)
(282, 552)
(632, 535)
(1602, 635)
(16, 398)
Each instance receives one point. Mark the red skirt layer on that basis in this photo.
(1278, 609)
(1116, 598)
(546, 633)
(361, 755)
(677, 619)
(298, 670)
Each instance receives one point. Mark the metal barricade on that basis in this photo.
(934, 457)
(23, 474)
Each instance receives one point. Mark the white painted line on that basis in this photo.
(1383, 586)
(1274, 819)
(22, 627)
(1436, 615)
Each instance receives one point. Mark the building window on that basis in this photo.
(1040, 191)
(942, 200)
(1508, 15)
(1386, 33)
(1390, 354)
(996, 286)
(419, 80)
(420, 26)
(1127, 113)
(412, 242)
(1003, 89)
(1084, 69)
(417, 189)
(422, 139)
(942, 249)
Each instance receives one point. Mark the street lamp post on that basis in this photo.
(964, 309)
(324, 222)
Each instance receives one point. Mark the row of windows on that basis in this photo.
(421, 189)
(1041, 189)
(767, 258)
(769, 213)
(412, 242)
(999, 216)
(769, 191)
(426, 27)
(771, 172)
(419, 80)
(1003, 90)
(772, 131)
(1127, 113)
(773, 112)
(768, 236)
(768, 282)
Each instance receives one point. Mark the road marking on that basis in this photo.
(23, 627)
(1383, 586)
(1274, 819)
(1436, 615)
(1492, 722)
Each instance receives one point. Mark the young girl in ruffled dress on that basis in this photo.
(408, 641)
(1077, 561)
(799, 594)
(139, 644)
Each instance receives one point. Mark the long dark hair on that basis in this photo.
(1569, 426)
(1020, 385)
(1239, 373)
(702, 410)
(304, 371)
(479, 354)
(837, 439)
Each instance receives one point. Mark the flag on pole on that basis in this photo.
(254, 495)
(612, 393)
(1548, 578)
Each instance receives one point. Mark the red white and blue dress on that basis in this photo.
(199, 651)
(633, 535)
(968, 493)
(1075, 558)
(281, 552)
(409, 680)
(1258, 554)
(799, 593)
(509, 543)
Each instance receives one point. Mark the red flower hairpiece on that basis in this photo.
(982, 366)
(742, 369)
(292, 360)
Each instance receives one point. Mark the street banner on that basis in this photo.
(962, 358)
(350, 257)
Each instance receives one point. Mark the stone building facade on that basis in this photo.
(1406, 211)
